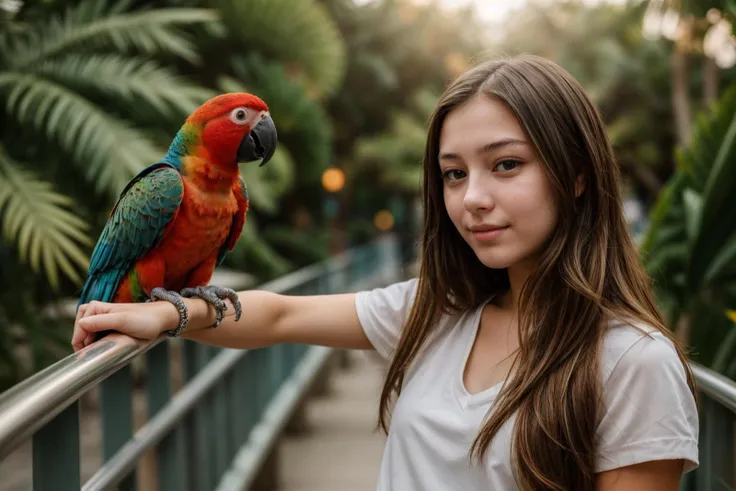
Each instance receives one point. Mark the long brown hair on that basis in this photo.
(588, 274)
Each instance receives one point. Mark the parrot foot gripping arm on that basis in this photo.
(215, 296)
(174, 298)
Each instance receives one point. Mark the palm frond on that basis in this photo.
(40, 222)
(98, 24)
(131, 80)
(107, 150)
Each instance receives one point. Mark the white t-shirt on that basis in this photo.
(650, 413)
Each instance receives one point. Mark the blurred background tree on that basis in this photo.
(690, 246)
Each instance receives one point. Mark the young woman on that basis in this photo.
(528, 354)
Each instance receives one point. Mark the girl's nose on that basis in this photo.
(478, 194)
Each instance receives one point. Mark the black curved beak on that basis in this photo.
(260, 143)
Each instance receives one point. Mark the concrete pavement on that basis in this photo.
(342, 448)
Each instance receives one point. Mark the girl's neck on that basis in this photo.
(518, 274)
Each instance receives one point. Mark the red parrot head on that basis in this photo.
(235, 127)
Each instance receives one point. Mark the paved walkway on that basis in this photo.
(342, 449)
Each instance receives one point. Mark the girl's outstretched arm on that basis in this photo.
(268, 318)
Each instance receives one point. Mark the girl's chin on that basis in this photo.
(494, 261)
(497, 257)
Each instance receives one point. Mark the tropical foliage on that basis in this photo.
(690, 248)
(75, 119)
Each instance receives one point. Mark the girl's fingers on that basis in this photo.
(87, 323)
(79, 338)
(92, 309)
(98, 316)
(80, 312)
(103, 322)
(89, 339)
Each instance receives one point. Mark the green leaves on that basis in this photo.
(300, 33)
(690, 247)
(700, 192)
(398, 152)
(693, 207)
(718, 218)
(75, 83)
(723, 264)
(97, 24)
(130, 80)
(268, 183)
(41, 222)
(107, 149)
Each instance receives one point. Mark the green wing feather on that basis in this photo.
(136, 225)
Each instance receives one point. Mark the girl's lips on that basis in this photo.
(488, 234)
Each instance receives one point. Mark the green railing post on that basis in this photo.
(170, 455)
(56, 462)
(193, 439)
(716, 448)
(221, 433)
(116, 404)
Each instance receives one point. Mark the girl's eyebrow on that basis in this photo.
(504, 142)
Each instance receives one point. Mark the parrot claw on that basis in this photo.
(174, 298)
(215, 296)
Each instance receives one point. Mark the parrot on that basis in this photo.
(176, 220)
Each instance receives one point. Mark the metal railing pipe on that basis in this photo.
(716, 386)
(29, 405)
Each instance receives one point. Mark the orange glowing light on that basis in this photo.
(333, 179)
(383, 220)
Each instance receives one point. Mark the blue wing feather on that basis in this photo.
(137, 223)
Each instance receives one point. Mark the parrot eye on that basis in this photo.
(239, 115)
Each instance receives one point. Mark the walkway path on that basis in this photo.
(342, 449)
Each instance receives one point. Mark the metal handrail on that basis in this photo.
(32, 403)
(28, 406)
(716, 386)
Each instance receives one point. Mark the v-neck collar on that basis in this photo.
(464, 398)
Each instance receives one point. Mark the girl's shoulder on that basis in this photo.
(650, 411)
(383, 311)
(636, 346)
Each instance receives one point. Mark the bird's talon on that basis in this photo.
(178, 302)
(215, 295)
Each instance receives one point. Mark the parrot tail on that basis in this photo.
(102, 287)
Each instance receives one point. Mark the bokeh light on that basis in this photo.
(383, 220)
(333, 179)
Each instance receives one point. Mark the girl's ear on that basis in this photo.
(579, 185)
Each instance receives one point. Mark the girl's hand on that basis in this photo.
(139, 320)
